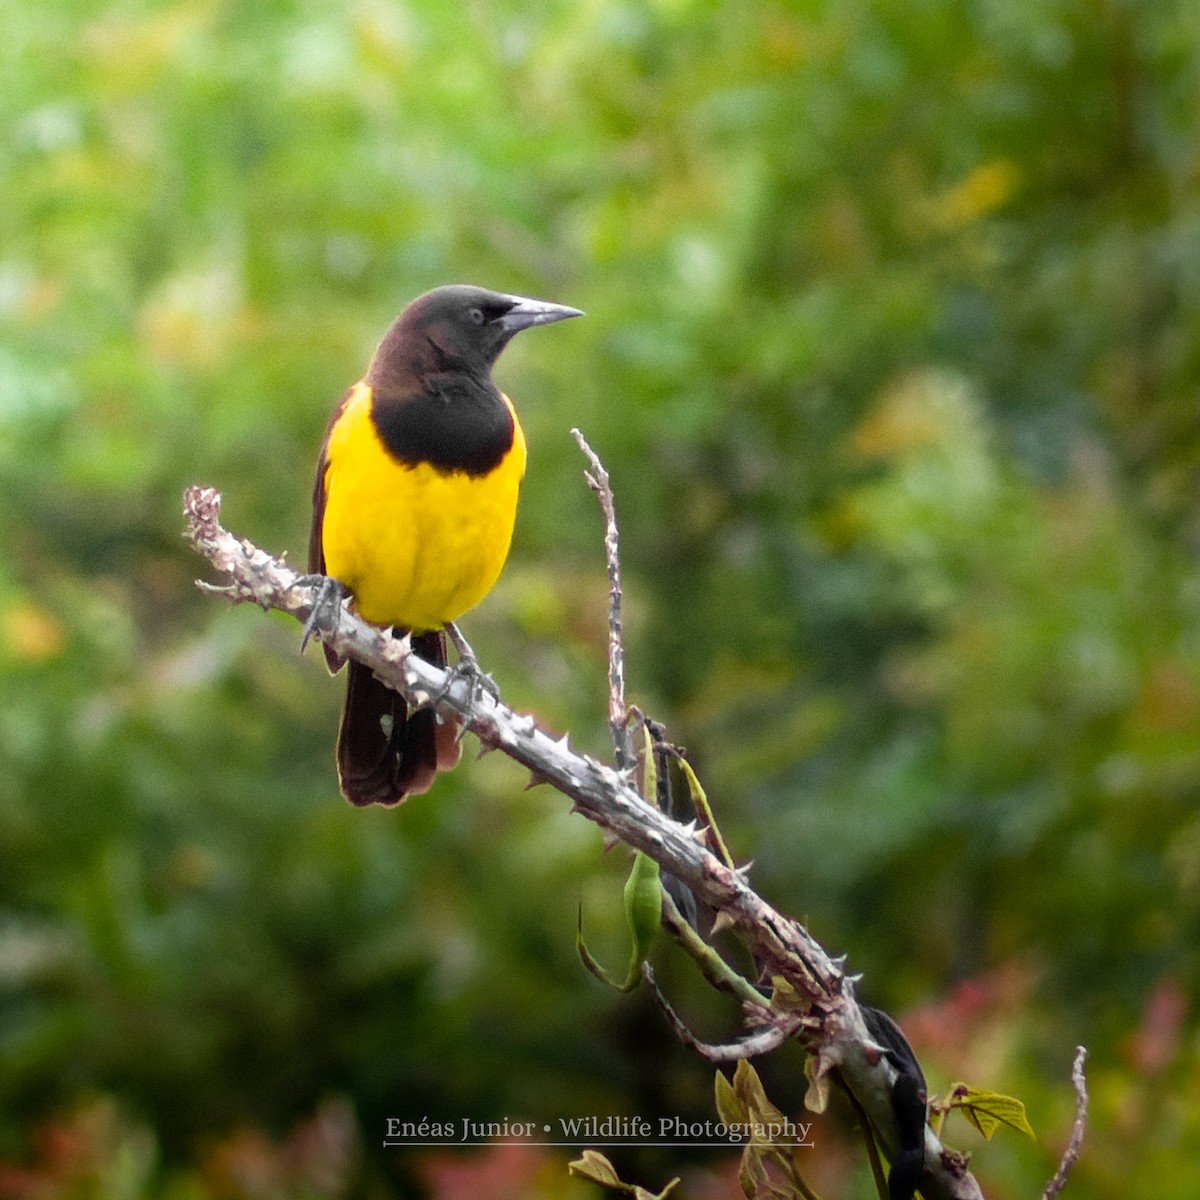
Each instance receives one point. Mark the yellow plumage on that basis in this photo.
(416, 546)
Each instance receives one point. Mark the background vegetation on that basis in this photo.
(893, 353)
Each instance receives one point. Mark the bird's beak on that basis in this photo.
(526, 312)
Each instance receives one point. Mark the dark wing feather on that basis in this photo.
(316, 548)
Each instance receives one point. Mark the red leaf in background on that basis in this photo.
(318, 1158)
(965, 1030)
(500, 1171)
(1155, 1042)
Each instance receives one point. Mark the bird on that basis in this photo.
(414, 503)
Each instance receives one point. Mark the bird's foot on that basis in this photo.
(467, 668)
(326, 611)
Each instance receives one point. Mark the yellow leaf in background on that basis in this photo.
(192, 318)
(919, 410)
(132, 52)
(31, 634)
(989, 186)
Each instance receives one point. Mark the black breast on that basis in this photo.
(454, 423)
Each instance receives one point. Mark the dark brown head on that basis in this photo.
(459, 327)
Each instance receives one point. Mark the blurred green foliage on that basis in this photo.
(893, 353)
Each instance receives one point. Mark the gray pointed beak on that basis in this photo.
(526, 312)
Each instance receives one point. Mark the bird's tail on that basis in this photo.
(386, 753)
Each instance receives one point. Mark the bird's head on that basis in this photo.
(463, 326)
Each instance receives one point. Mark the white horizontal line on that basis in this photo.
(727, 1145)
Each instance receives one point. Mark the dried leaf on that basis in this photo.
(640, 1193)
(594, 1166)
(785, 998)
(816, 1069)
(591, 1164)
(752, 1175)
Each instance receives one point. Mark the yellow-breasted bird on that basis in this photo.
(413, 511)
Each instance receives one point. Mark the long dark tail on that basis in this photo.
(384, 752)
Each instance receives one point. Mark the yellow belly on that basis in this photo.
(416, 547)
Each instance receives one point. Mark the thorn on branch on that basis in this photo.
(228, 591)
(721, 922)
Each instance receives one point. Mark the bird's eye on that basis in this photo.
(475, 316)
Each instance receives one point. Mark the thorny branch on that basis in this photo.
(1075, 1144)
(831, 1026)
(597, 479)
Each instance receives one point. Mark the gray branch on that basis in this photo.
(597, 480)
(833, 1030)
(1079, 1126)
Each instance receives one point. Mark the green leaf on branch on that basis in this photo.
(988, 1111)
(643, 907)
(730, 1108)
(703, 812)
(643, 898)
(768, 1170)
(593, 965)
(749, 1090)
